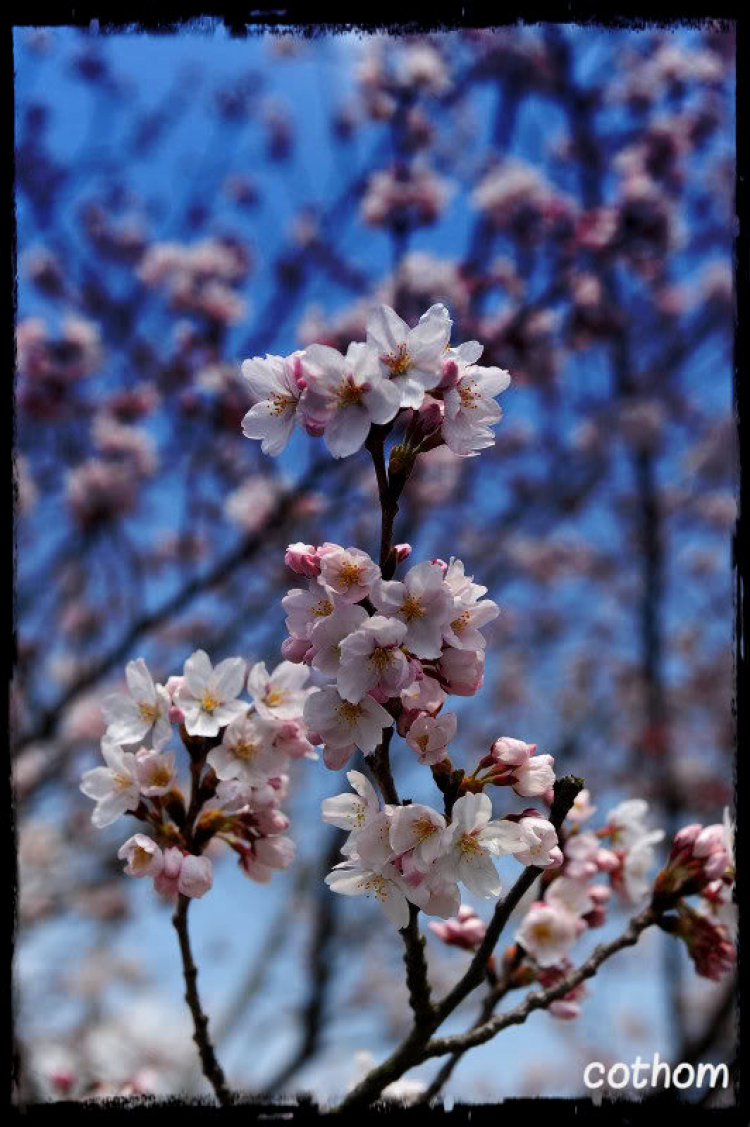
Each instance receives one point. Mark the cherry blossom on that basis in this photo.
(208, 696)
(156, 771)
(274, 384)
(470, 407)
(544, 851)
(638, 860)
(429, 736)
(352, 812)
(144, 857)
(474, 840)
(246, 752)
(411, 358)
(346, 395)
(547, 932)
(305, 608)
(328, 634)
(279, 695)
(422, 601)
(114, 788)
(349, 573)
(341, 723)
(353, 878)
(371, 658)
(419, 830)
(146, 709)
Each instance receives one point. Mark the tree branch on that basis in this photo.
(211, 1068)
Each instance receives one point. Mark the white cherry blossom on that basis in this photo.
(572, 895)
(422, 601)
(547, 933)
(543, 850)
(412, 359)
(349, 573)
(470, 407)
(208, 696)
(625, 823)
(328, 634)
(462, 630)
(638, 861)
(273, 384)
(305, 609)
(346, 395)
(145, 708)
(429, 736)
(156, 771)
(349, 811)
(341, 723)
(354, 878)
(419, 830)
(246, 752)
(281, 694)
(114, 788)
(475, 840)
(371, 658)
(144, 857)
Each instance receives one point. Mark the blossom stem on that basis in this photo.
(211, 1068)
(388, 503)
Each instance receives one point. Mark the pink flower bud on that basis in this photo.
(462, 670)
(709, 840)
(271, 821)
(402, 551)
(303, 559)
(450, 376)
(515, 753)
(566, 1011)
(599, 893)
(686, 837)
(196, 876)
(607, 861)
(173, 685)
(294, 649)
(166, 883)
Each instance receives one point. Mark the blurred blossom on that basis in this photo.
(250, 505)
(514, 194)
(414, 200)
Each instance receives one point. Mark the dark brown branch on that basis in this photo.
(211, 1067)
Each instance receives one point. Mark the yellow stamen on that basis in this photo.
(398, 361)
(411, 608)
(350, 713)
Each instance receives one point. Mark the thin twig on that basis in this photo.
(211, 1067)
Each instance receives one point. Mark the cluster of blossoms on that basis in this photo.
(201, 278)
(574, 897)
(401, 854)
(239, 753)
(701, 863)
(446, 397)
(404, 645)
